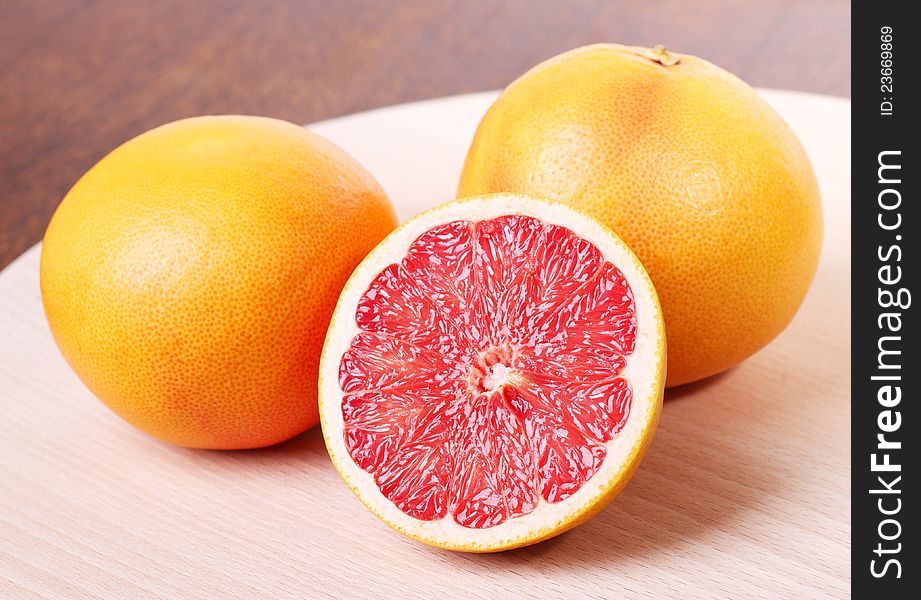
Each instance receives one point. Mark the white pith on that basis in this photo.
(642, 371)
(498, 375)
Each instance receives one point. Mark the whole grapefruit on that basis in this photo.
(189, 276)
(701, 178)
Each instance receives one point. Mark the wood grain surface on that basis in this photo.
(744, 492)
(78, 77)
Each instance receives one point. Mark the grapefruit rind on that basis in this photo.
(645, 370)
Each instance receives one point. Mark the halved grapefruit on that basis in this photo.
(493, 373)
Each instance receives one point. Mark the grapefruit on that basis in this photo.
(701, 178)
(189, 276)
(493, 373)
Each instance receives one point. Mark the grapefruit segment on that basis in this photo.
(500, 365)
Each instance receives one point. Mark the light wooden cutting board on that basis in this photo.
(744, 493)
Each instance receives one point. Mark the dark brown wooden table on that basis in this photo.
(77, 77)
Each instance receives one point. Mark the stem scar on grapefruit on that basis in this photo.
(493, 373)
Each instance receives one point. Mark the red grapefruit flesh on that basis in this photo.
(484, 376)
